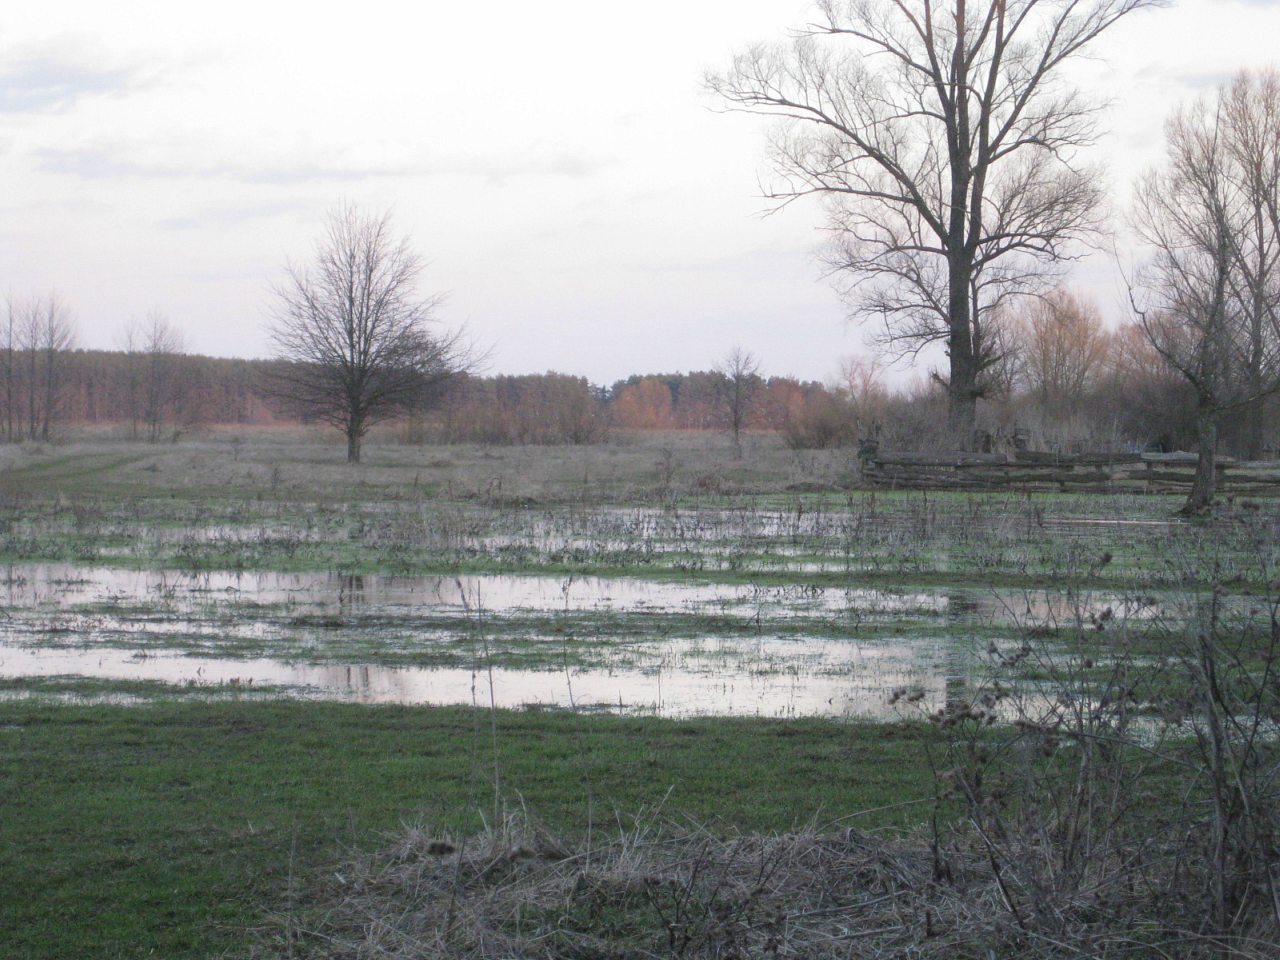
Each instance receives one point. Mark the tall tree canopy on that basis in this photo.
(1209, 296)
(945, 141)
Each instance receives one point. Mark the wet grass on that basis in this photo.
(191, 507)
(880, 539)
(161, 830)
(78, 690)
(162, 826)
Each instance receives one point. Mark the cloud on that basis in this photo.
(1194, 78)
(116, 161)
(54, 82)
(497, 172)
(123, 161)
(231, 216)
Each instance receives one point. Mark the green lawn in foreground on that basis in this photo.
(162, 829)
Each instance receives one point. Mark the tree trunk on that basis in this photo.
(1205, 485)
(10, 390)
(31, 395)
(963, 405)
(963, 408)
(50, 393)
(1254, 426)
(353, 444)
(963, 384)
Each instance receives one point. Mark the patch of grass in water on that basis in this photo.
(102, 690)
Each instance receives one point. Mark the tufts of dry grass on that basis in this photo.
(669, 890)
(309, 464)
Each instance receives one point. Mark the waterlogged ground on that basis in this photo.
(580, 642)
(137, 568)
(966, 538)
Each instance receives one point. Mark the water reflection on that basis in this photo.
(351, 592)
(68, 585)
(305, 632)
(670, 690)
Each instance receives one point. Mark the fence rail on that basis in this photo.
(1097, 472)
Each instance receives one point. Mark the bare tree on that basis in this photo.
(57, 335)
(1207, 300)
(1250, 122)
(130, 341)
(352, 331)
(739, 384)
(1063, 349)
(163, 388)
(860, 381)
(13, 314)
(944, 142)
(1189, 213)
(39, 331)
(153, 386)
(28, 341)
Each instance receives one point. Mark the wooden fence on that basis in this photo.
(1099, 472)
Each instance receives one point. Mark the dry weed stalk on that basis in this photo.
(678, 890)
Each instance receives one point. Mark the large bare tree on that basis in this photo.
(1206, 298)
(944, 139)
(354, 333)
(1250, 130)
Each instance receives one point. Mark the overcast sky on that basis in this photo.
(558, 164)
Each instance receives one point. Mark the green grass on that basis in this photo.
(163, 829)
(166, 826)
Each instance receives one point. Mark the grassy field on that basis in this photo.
(142, 819)
(166, 829)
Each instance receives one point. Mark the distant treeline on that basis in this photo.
(150, 396)
(557, 408)
(159, 395)
(1132, 402)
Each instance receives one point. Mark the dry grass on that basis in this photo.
(683, 891)
(309, 463)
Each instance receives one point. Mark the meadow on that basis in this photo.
(232, 665)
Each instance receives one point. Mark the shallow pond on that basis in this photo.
(623, 644)
(679, 688)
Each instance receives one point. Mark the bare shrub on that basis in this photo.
(823, 422)
(1127, 800)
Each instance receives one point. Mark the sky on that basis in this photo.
(579, 198)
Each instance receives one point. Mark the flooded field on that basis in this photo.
(998, 539)
(225, 579)
(624, 644)
(190, 634)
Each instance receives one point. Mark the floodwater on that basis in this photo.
(676, 689)
(319, 635)
(69, 586)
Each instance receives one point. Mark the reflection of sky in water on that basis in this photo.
(798, 540)
(858, 690)
(126, 624)
(63, 586)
